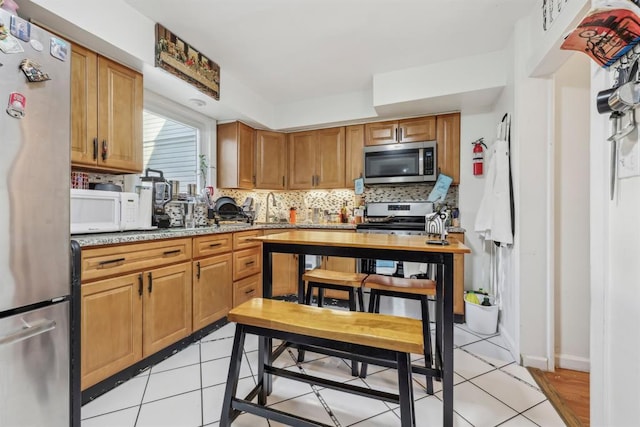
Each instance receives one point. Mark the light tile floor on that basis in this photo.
(186, 389)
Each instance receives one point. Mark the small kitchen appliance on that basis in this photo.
(400, 163)
(95, 211)
(161, 195)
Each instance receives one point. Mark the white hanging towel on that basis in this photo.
(493, 221)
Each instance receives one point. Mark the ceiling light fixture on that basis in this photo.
(197, 102)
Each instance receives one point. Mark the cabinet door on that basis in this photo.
(110, 327)
(271, 161)
(212, 289)
(119, 116)
(246, 156)
(417, 130)
(285, 274)
(302, 160)
(329, 161)
(448, 136)
(167, 307)
(354, 157)
(381, 133)
(84, 106)
(247, 288)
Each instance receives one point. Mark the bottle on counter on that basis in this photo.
(292, 215)
(344, 215)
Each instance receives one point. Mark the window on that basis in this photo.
(175, 138)
(171, 147)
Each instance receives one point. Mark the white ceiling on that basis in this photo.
(292, 50)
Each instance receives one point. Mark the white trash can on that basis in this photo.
(481, 319)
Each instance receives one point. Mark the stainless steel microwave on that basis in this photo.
(400, 163)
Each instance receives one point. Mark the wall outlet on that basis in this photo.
(629, 157)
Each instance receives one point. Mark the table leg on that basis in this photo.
(447, 326)
(264, 344)
(300, 281)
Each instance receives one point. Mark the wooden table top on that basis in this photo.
(363, 240)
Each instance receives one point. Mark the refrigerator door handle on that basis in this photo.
(28, 331)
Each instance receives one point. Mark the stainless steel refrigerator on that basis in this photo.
(35, 255)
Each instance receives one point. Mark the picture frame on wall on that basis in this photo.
(179, 58)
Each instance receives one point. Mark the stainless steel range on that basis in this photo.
(402, 218)
(396, 218)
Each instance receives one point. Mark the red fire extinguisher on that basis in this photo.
(478, 156)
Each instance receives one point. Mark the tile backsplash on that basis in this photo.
(332, 200)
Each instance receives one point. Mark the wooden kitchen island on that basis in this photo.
(375, 246)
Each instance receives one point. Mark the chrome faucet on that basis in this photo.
(275, 205)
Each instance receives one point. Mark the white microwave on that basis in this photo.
(400, 163)
(96, 211)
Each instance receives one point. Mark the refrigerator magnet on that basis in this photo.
(17, 102)
(20, 28)
(3, 30)
(33, 71)
(59, 49)
(10, 45)
(36, 45)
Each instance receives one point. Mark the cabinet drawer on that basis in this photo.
(247, 262)
(241, 239)
(245, 289)
(212, 244)
(103, 262)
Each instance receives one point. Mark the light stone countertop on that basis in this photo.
(99, 239)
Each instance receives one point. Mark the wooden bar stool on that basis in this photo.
(337, 280)
(417, 289)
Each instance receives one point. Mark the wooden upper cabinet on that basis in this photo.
(408, 130)
(84, 106)
(302, 160)
(106, 113)
(317, 159)
(236, 156)
(330, 158)
(119, 116)
(271, 160)
(354, 161)
(416, 130)
(448, 150)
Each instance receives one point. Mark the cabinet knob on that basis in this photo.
(95, 148)
(198, 270)
(105, 150)
(150, 289)
(140, 284)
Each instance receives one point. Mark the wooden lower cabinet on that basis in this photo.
(111, 327)
(212, 289)
(166, 307)
(247, 288)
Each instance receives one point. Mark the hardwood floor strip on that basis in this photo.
(565, 412)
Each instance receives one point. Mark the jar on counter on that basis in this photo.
(292, 215)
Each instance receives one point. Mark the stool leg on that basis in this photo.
(426, 333)
(373, 296)
(361, 299)
(233, 376)
(352, 307)
(307, 297)
(307, 301)
(320, 296)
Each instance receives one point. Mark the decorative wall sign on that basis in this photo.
(186, 62)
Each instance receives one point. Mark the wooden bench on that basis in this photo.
(367, 337)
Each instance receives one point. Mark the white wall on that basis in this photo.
(615, 269)
(571, 212)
